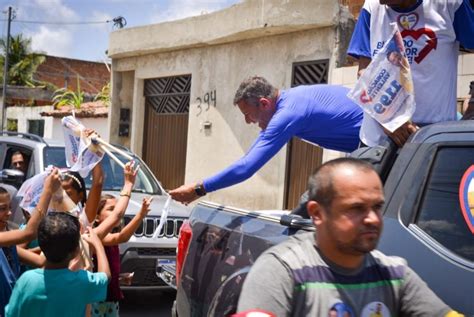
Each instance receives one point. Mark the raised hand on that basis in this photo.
(130, 173)
(146, 205)
(52, 181)
(92, 238)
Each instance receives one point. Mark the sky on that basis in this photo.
(81, 39)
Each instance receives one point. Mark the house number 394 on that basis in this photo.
(205, 102)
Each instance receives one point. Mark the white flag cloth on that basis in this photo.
(72, 137)
(31, 191)
(385, 89)
(163, 218)
(81, 154)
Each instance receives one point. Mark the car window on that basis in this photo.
(441, 215)
(27, 157)
(113, 172)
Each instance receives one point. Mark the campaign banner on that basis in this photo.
(31, 191)
(385, 89)
(82, 154)
(72, 137)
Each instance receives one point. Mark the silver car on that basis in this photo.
(142, 252)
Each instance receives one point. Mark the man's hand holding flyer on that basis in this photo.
(385, 89)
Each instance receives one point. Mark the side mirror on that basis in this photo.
(12, 177)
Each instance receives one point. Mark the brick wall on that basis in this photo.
(63, 72)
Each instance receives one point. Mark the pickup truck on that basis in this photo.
(427, 220)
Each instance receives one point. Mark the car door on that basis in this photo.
(425, 221)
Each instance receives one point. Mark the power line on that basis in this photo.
(61, 23)
(119, 22)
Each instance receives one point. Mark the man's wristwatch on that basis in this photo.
(199, 190)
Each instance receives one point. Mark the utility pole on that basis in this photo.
(5, 73)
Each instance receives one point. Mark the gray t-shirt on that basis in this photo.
(294, 279)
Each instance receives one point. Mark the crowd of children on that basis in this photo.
(72, 258)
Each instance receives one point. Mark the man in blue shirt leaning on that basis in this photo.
(320, 114)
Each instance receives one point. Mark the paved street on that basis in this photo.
(147, 304)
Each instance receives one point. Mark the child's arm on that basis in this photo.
(30, 258)
(114, 218)
(126, 233)
(95, 192)
(94, 241)
(13, 237)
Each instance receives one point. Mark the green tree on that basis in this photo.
(22, 62)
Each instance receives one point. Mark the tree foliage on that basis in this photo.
(22, 63)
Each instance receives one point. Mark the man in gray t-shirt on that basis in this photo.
(337, 272)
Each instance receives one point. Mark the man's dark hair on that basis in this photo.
(252, 89)
(58, 236)
(18, 152)
(320, 183)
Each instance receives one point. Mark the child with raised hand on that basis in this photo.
(110, 212)
(9, 264)
(56, 290)
(111, 242)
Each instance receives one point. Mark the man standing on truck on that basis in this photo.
(320, 114)
(309, 274)
(432, 32)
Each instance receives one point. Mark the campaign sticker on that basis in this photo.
(466, 197)
(340, 310)
(375, 309)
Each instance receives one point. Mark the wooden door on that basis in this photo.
(303, 157)
(166, 128)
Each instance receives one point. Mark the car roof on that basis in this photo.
(20, 141)
(54, 142)
(28, 140)
(31, 142)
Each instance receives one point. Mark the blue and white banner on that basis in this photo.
(385, 89)
(81, 154)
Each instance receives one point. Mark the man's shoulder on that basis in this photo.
(388, 261)
(294, 248)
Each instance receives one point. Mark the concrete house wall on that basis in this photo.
(52, 126)
(219, 50)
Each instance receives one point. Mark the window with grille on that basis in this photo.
(311, 72)
(168, 94)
